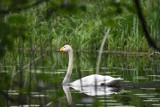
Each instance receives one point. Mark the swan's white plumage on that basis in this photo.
(94, 79)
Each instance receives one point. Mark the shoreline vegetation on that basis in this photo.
(33, 65)
(50, 25)
(85, 30)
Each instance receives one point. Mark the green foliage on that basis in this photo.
(11, 28)
(42, 29)
(4, 81)
(57, 20)
(10, 4)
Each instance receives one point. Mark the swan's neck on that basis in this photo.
(69, 69)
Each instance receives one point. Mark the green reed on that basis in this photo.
(84, 31)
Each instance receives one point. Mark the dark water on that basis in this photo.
(140, 88)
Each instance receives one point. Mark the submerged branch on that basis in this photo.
(33, 61)
(24, 67)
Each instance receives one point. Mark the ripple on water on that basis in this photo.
(156, 105)
(114, 104)
(148, 88)
(32, 105)
(154, 76)
(82, 105)
(139, 78)
(111, 101)
(151, 100)
(146, 95)
(125, 106)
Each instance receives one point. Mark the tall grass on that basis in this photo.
(85, 30)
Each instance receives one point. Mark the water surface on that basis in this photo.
(41, 81)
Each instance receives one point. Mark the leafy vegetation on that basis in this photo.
(33, 30)
(85, 30)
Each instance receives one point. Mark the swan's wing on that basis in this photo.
(82, 82)
(112, 82)
(88, 80)
(96, 79)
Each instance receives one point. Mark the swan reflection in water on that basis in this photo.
(90, 91)
(67, 91)
(97, 90)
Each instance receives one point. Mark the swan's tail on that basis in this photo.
(114, 82)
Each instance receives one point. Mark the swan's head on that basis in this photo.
(66, 48)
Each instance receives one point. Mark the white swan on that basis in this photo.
(94, 79)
